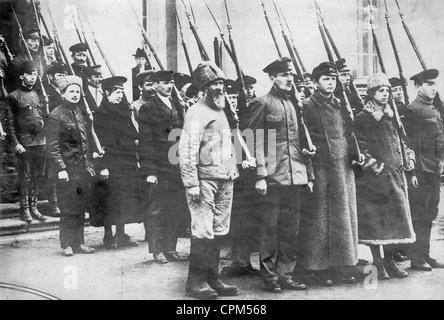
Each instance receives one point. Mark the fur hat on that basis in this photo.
(66, 81)
(206, 73)
(378, 80)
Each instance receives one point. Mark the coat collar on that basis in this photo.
(378, 113)
(280, 93)
(319, 100)
(163, 106)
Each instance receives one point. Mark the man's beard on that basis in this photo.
(219, 100)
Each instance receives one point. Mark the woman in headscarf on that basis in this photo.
(119, 168)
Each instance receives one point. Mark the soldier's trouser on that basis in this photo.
(166, 207)
(424, 203)
(280, 214)
(72, 196)
(244, 227)
(31, 169)
(211, 215)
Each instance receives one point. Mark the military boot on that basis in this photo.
(35, 213)
(197, 284)
(391, 267)
(54, 210)
(25, 214)
(213, 276)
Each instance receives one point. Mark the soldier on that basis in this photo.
(424, 126)
(328, 237)
(55, 73)
(32, 38)
(208, 168)
(345, 86)
(94, 91)
(79, 54)
(70, 157)
(232, 93)
(250, 90)
(49, 47)
(27, 134)
(281, 179)
(398, 95)
(142, 65)
(158, 118)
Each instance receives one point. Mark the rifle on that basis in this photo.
(202, 50)
(395, 51)
(399, 126)
(48, 32)
(323, 34)
(293, 42)
(37, 22)
(289, 45)
(273, 35)
(217, 52)
(184, 45)
(99, 47)
(22, 38)
(375, 39)
(412, 40)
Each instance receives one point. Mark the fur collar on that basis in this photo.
(378, 113)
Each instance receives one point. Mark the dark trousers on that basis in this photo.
(166, 210)
(73, 198)
(245, 222)
(280, 213)
(31, 169)
(424, 203)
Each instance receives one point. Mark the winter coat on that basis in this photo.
(383, 207)
(281, 162)
(328, 234)
(69, 142)
(206, 150)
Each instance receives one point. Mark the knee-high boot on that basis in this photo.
(213, 273)
(377, 262)
(25, 214)
(54, 210)
(197, 283)
(35, 213)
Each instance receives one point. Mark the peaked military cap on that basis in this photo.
(144, 76)
(278, 66)
(324, 69)
(33, 33)
(27, 67)
(79, 47)
(299, 81)
(231, 87)
(430, 74)
(58, 68)
(248, 80)
(341, 64)
(114, 83)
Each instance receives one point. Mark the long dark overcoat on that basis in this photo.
(328, 234)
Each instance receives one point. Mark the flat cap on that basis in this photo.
(378, 80)
(299, 81)
(162, 76)
(93, 71)
(341, 64)
(181, 79)
(33, 33)
(27, 67)
(231, 87)
(144, 76)
(114, 83)
(324, 69)
(79, 47)
(430, 74)
(395, 82)
(206, 73)
(280, 65)
(65, 82)
(58, 68)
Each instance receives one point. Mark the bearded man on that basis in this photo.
(208, 168)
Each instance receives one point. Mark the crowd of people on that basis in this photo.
(326, 172)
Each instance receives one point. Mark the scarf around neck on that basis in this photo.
(378, 112)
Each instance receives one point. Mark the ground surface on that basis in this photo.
(34, 261)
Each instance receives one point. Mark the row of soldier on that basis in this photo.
(321, 192)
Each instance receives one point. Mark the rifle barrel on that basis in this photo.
(270, 27)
